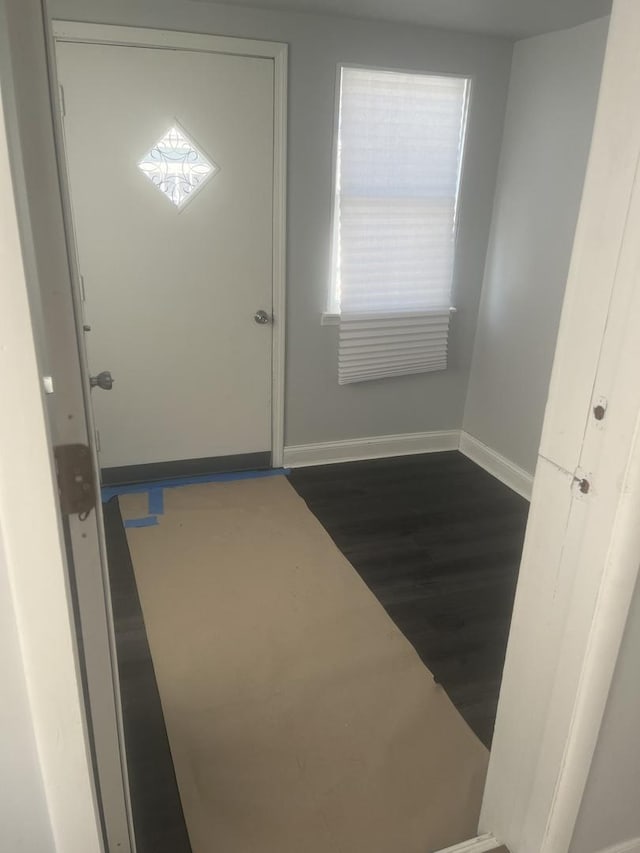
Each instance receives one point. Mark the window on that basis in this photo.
(399, 151)
(177, 167)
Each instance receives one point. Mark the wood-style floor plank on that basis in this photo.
(438, 541)
(158, 819)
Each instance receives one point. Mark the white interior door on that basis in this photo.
(172, 289)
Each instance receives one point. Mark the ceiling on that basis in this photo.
(511, 18)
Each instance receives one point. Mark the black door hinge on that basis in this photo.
(76, 484)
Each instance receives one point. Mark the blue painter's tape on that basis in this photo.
(149, 521)
(156, 502)
(109, 492)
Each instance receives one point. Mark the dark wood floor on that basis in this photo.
(157, 812)
(435, 538)
(438, 541)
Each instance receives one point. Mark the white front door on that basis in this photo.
(171, 163)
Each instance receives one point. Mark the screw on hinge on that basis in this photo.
(583, 484)
(599, 412)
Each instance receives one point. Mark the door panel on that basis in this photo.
(171, 292)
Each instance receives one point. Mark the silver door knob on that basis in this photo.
(262, 318)
(103, 380)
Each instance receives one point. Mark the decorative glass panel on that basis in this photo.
(177, 167)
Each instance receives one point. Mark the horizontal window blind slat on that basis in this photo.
(363, 370)
(346, 379)
(370, 329)
(379, 367)
(364, 364)
(392, 370)
(407, 320)
(388, 342)
(348, 355)
(384, 348)
(441, 310)
(396, 336)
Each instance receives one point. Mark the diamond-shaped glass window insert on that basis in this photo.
(177, 167)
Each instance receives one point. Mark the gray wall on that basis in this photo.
(548, 127)
(609, 814)
(317, 408)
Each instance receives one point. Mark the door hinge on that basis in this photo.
(63, 106)
(600, 408)
(76, 482)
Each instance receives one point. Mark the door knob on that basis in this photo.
(103, 380)
(262, 318)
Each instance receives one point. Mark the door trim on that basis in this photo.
(180, 468)
(72, 31)
(60, 773)
(582, 546)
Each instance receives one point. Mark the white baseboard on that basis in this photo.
(502, 469)
(372, 447)
(631, 846)
(480, 844)
(381, 446)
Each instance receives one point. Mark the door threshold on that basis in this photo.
(148, 473)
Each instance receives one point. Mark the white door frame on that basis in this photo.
(48, 249)
(32, 527)
(582, 547)
(71, 31)
(37, 564)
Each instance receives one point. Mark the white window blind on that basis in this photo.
(400, 141)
